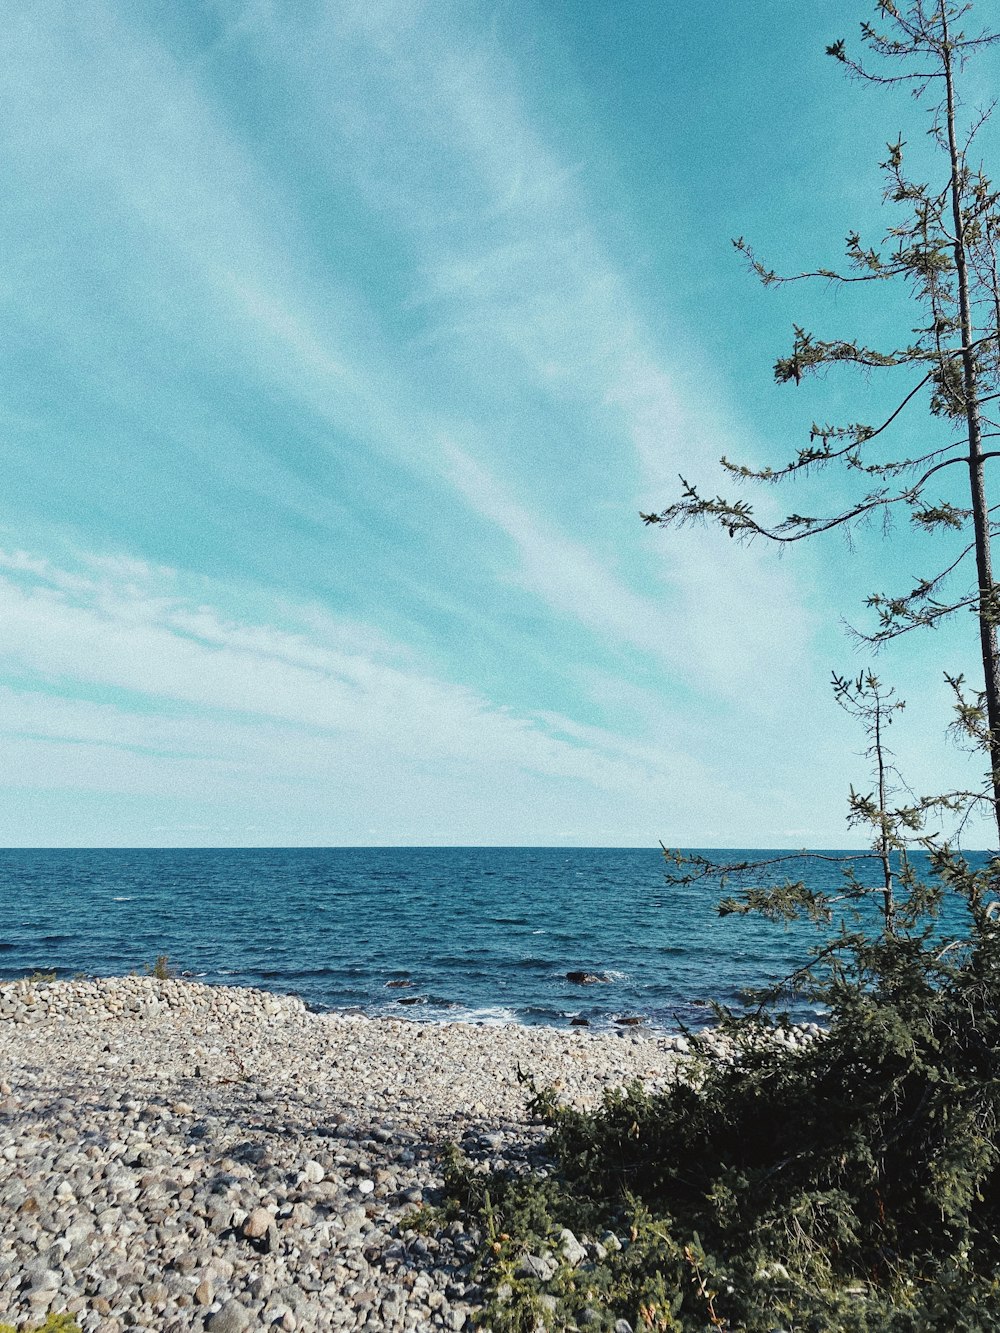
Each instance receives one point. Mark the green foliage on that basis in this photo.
(41, 978)
(161, 969)
(850, 1184)
(942, 247)
(55, 1323)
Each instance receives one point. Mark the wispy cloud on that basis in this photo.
(477, 348)
(527, 298)
(130, 679)
(706, 630)
(513, 277)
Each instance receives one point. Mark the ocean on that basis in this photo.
(481, 934)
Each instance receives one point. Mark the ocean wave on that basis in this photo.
(488, 1015)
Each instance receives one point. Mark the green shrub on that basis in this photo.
(853, 1184)
(55, 1323)
(161, 969)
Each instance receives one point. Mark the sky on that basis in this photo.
(345, 341)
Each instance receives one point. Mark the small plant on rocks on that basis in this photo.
(55, 1323)
(161, 969)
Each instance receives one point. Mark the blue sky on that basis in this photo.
(344, 343)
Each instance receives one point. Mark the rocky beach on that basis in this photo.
(176, 1156)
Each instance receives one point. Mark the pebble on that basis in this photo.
(232, 1318)
(257, 1224)
(539, 1266)
(572, 1251)
(180, 1156)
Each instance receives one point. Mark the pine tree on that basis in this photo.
(943, 249)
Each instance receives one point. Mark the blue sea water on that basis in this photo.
(482, 934)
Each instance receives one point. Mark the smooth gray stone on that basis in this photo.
(573, 1252)
(232, 1318)
(536, 1266)
(43, 1279)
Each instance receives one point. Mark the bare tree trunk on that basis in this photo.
(884, 846)
(980, 509)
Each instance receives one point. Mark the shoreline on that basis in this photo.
(621, 1021)
(183, 1156)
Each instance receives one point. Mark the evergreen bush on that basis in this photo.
(849, 1184)
(54, 1323)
